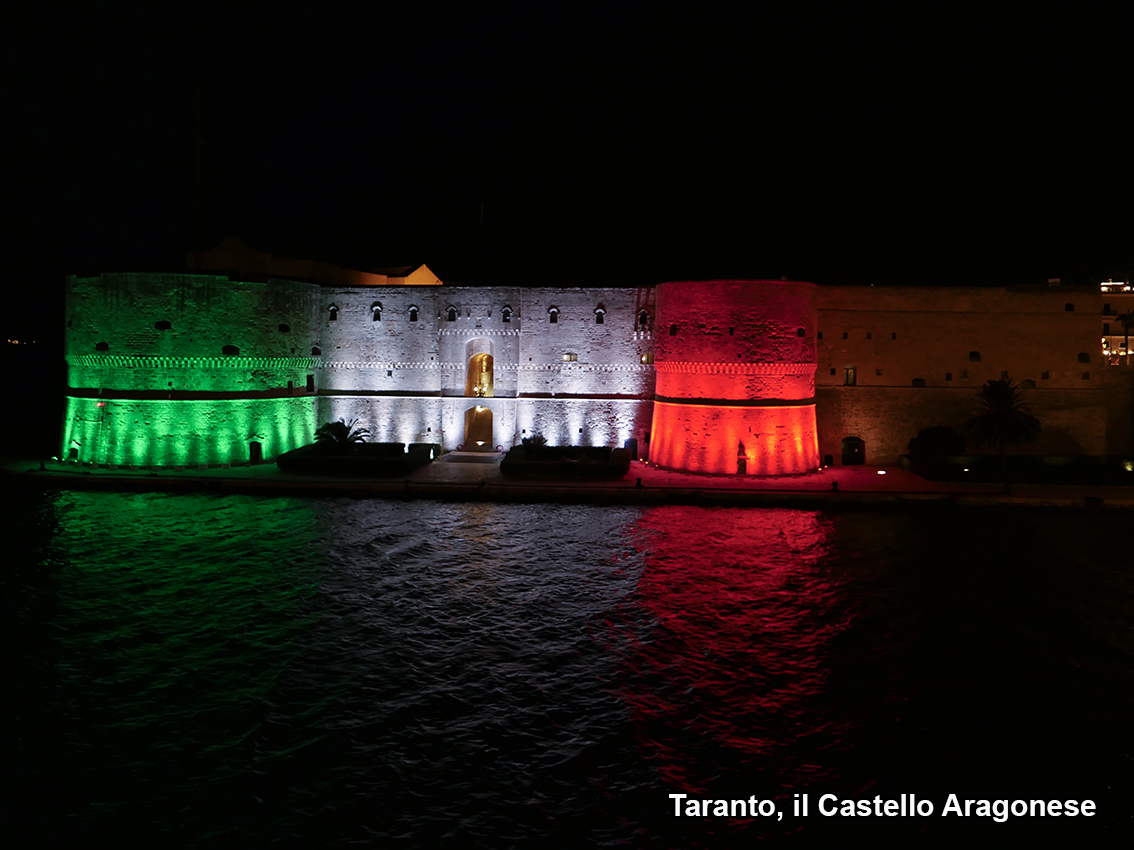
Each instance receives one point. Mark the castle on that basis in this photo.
(720, 377)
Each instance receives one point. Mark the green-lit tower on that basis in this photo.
(188, 369)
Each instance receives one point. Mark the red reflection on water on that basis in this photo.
(737, 659)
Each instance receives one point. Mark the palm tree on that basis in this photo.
(340, 434)
(1127, 321)
(1003, 421)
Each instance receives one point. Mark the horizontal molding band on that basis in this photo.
(142, 361)
(184, 395)
(741, 368)
(737, 402)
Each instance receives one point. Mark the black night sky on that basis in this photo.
(609, 143)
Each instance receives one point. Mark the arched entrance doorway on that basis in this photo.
(854, 451)
(478, 429)
(478, 376)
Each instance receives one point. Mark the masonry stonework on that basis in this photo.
(722, 377)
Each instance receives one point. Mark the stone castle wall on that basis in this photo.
(177, 369)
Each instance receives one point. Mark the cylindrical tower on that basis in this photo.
(735, 365)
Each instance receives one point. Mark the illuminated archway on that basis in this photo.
(478, 429)
(478, 376)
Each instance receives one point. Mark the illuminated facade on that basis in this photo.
(718, 377)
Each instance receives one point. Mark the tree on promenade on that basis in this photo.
(1003, 420)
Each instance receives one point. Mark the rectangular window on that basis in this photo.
(848, 377)
(820, 334)
(844, 334)
(1106, 328)
(869, 335)
(948, 376)
(1045, 375)
(964, 373)
(1004, 373)
(310, 383)
(1086, 376)
(832, 370)
(570, 358)
(893, 336)
(1106, 309)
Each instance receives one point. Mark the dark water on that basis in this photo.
(207, 671)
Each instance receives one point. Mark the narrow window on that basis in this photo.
(948, 376)
(800, 332)
(820, 334)
(849, 377)
(376, 311)
(673, 330)
(102, 346)
(878, 373)
(1084, 357)
(844, 334)
(163, 325)
(291, 385)
(553, 315)
(1106, 309)
(732, 331)
(230, 350)
(1106, 328)
(310, 383)
(869, 335)
(893, 336)
(333, 313)
(506, 314)
(974, 356)
(643, 319)
(599, 317)
(451, 314)
(413, 314)
(1070, 308)
(919, 382)
(832, 370)
(285, 329)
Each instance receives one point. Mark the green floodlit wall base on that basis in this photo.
(184, 433)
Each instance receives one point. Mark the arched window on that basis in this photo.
(506, 314)
(315, 352)
(643, 320)
(553, 315)
(600, 316)
(800, 332)
(974, 356)
(376, 311)
(230, 350)
(451, 314)
(332, 313)
(919, 382)
(413, 311)
(1084, 357)
(285, 329)
(102, 346)
(163, 325)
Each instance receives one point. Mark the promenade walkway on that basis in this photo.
(476, 477)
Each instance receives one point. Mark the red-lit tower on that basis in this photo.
(735, 365)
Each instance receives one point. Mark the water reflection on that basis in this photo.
(745, 607)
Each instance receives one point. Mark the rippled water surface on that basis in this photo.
(212, 671)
